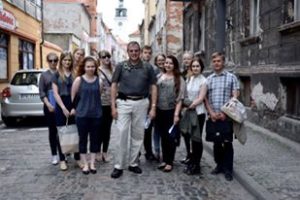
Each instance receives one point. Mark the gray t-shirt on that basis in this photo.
(45, 83)
(134, 80)
(167, 98)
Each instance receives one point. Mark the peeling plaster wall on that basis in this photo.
(174, 28)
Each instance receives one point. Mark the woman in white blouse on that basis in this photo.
(196, 92)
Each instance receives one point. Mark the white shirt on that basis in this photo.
(194, 85)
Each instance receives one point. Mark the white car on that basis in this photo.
(21, 98)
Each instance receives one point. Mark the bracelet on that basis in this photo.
(153, 105)
(176, 115)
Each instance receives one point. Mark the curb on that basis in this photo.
(246, 181)
(294, 145)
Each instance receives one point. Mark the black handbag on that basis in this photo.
(219, 131)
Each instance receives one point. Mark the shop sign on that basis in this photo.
(7, 20)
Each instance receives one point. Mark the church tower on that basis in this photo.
(121, 16)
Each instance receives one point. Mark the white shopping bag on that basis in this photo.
(68, 138)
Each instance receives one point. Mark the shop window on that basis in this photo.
(3, 57)
(26, 55)
(292, 89)
(291, 11)
(245, 90)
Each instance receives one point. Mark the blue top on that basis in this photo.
(89, 104)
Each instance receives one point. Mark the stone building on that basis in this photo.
(261, 40)
(162, 29)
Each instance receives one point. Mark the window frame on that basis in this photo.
(28, 52)
(5, 79)
(254, 28)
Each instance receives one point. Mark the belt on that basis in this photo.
(133, 98)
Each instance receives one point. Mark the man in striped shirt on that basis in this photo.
(221, 86)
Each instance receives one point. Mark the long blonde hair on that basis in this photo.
(60, 67)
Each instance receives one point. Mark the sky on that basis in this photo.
(135, 14)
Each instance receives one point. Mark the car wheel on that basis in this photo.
(8, 121)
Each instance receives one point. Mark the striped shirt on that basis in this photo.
(220, 88)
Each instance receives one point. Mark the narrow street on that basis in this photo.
(26, 173)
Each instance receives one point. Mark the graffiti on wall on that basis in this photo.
(268, 99)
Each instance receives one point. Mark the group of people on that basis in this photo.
(146, 102)
(80, 89)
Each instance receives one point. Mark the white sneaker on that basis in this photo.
(54, 160)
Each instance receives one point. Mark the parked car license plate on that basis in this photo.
(29, 96)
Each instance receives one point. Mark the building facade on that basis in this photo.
(21, 42)
(261, 43)
(70, 29)
(164, 28)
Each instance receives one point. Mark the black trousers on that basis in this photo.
(61, 121)
(148, 139)
(197, 146)
(53, 137)
(164, 121)
(223, 155)
(106, 121)
(88, 127)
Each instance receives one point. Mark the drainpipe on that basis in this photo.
(220, 25)
(42, 34)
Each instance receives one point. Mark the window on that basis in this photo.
(292, 89)
(254, 17)
(251, 17)
(202, 30)
(291, 11)
(26, 55)
(245, 90)
(3, 57)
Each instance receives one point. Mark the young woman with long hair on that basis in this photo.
(88, 109)
(171, 87)
(61, 85)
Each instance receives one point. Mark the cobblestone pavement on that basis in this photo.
(26, 173)
(271, 163)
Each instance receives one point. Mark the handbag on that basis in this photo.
(219, 131)
(68, 138)
(235, 110)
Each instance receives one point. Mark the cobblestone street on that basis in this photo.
(26, 173)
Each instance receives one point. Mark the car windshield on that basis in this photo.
(26, 78)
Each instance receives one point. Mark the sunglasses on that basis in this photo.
(106, 56)
(53, 60)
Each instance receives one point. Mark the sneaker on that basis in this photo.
(135, 169)
(63, 165)
(116, 173)
(54, 160)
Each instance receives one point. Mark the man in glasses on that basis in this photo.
(46, 95)
(133, 79)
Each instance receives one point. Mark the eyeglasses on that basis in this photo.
(106, 56)
(195, 65)
(53, 60)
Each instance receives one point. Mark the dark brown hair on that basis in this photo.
(81, 69)
(176, 73)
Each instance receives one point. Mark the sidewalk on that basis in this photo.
(267, 165)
